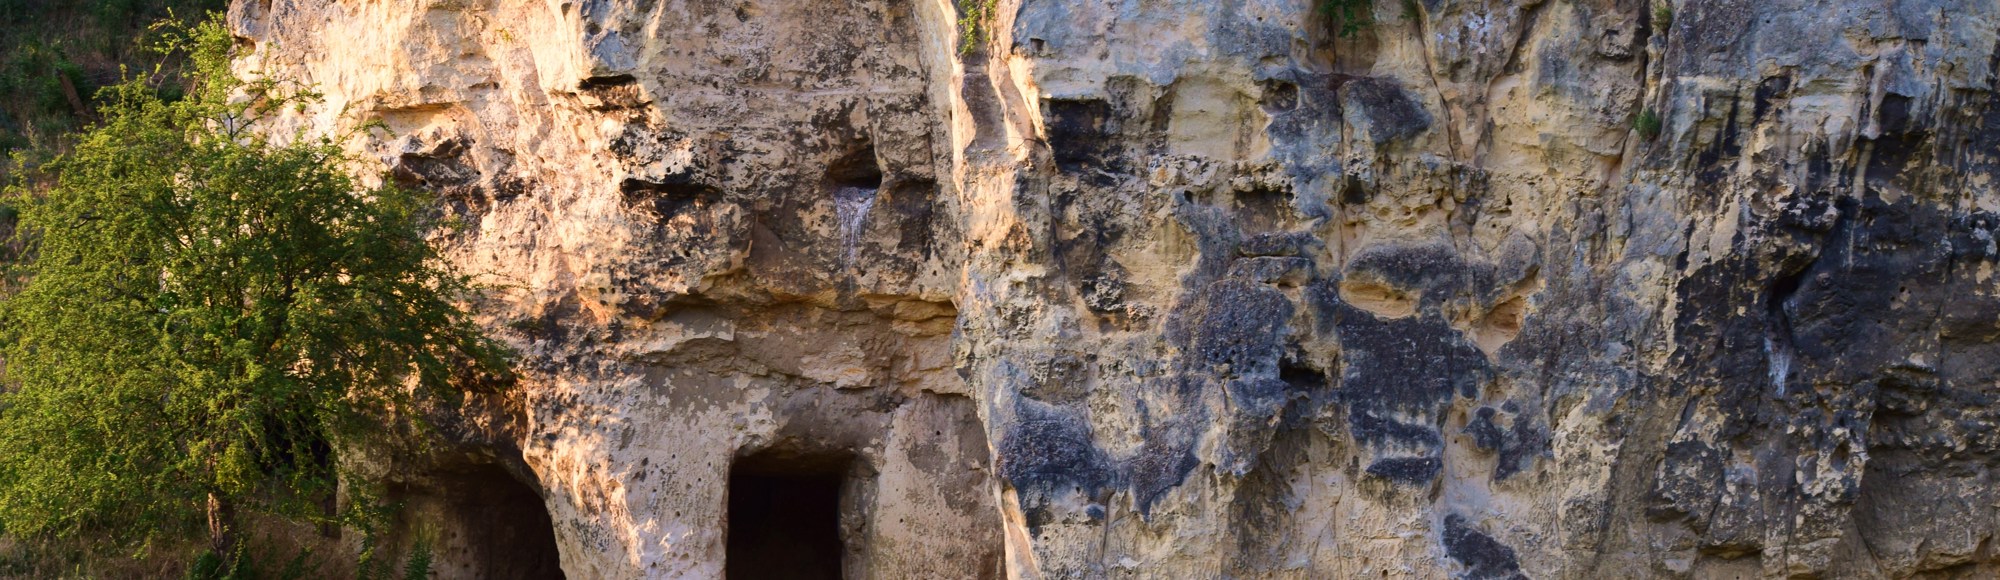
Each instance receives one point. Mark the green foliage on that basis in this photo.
(1647, 124)
(211, 316)
(243, 566)
(375, 563)
(35, 72)
(32, 78)
(1349, 16)
(974, 18)
(210, 566)
(44, 43)
(299, 567)
(1663, 17)
(418, 567)
(371, 516)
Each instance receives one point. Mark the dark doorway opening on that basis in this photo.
(784, 517)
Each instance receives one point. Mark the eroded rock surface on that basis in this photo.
(1189, 289)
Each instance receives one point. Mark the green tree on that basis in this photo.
(210, 315)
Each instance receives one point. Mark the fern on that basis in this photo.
(418, 567)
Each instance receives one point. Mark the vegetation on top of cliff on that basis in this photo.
(55, 54)
(211, 317)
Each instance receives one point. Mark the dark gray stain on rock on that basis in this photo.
(1818, 343)
(1162, 462)
(1687, 490)
(1391, 113)
(1232, 336)
(1483, 557)
(1394, 370)
(1234, 329)
(1305, 110)
(1082, 136)
(1437, 274)
(1048, 454)
(1516, 444)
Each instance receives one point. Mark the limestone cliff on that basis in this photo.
(1208, 289)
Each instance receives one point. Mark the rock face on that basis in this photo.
(1193, 289)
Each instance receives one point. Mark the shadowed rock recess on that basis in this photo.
(1204, 289)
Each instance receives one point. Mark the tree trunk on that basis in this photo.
(222, 527)
(75, 100)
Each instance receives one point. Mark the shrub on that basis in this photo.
(209, 316)
(1647, 124)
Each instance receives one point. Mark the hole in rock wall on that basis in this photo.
(598, 83)
(486, 524)
(1381, 299)
(1262, 209)
(856, 170)
(784, 517)
(664, 200)
(856, 178)
(1278, 96)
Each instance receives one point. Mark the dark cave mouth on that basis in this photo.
(491, 524)
(784, 517)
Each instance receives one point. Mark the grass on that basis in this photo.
(1648, 124)
(1663, 17)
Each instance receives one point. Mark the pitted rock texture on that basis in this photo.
(1192, 289)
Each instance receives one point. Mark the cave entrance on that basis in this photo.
(485, 523)
(784, 517)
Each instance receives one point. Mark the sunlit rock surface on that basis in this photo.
(1194, 289)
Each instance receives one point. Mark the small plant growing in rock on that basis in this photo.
(1663, 17)
(1349, 16)
(973, 16)
(1647, 124)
